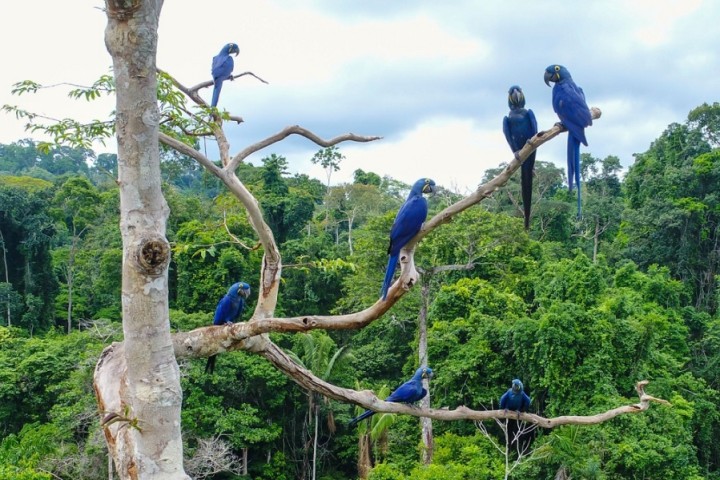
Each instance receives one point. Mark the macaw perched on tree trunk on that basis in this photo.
(409, 392)
(569, 103)
(222, 68)
(407, 224)
(229, 308)
(520, 126)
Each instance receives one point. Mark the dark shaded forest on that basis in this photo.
(579, 309)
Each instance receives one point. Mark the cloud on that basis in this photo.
(430, 77)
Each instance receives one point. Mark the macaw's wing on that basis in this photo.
(504, 400)
(525, 402)
(407, 223)
(533, 123)
(225, 312)
(222, 66)
(508, 134)
(408, 392)
(569, 103)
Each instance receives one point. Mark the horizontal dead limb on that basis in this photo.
(192, 92)
(261, 345)
(367, 399)
(210, 83)
(112, 362)
(210, 340)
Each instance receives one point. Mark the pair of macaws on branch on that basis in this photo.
(412, 391)
(520, 125)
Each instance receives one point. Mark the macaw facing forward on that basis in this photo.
(569, 103)
(222, 67)
(407, 224)
(520, 126)
(409, 392)
(515, 398)
(228, 309)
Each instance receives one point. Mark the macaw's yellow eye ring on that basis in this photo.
(557, 68)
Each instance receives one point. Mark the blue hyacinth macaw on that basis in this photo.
(407, 224)
(515, 398)
(222, 67)
(519, 126)
(569, 103)
(228, 309)
(409, 392)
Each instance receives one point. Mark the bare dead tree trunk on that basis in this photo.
(364, 461)
(315, 442)
(427, 428)
(137, 383)
(351, 220)
(7, 276)
(596, 239)
(69, 277)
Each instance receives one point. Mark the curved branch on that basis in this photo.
(211, 340)
(408, 274)
(186, 149)
(296, 130)
(271, 258)
(367, 399)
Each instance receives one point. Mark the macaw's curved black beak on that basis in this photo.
(428, 188)
(549, 78)
(516, 96)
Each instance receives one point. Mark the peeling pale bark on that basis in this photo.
(137, 383)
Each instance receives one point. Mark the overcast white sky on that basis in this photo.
(430, 77)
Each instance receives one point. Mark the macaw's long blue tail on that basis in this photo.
(360, 418)
(526, 181)
(210, 365)
(389, 274)
(216, 93)
(573, 159)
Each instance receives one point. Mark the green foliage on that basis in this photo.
(706, 118)
(287, 204)
(384, 471)
(26, 233)
(208, 261)
(673, 210)
(48, 411)
(12, 472)
(580, 310)
(329, 158)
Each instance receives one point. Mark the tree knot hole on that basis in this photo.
(154, 255)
